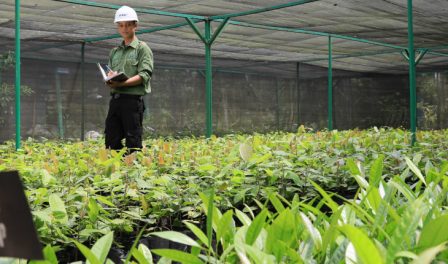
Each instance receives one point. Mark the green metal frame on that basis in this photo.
(59, 105)
(330, 84)
(208, 39)
(412, 73)
(18, 77)
(83, 91)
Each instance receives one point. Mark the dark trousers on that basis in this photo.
(124, 121)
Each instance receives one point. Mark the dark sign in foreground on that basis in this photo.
(18, 237)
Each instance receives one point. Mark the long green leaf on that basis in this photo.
(405, 229)
(176, 237)
(102, 246)
(331, 231)
(376, 171)
(402, 187)
(197, 232)
(339, 253)
(90, 257)
(210, 209)
(177, 255)
(416, 170)
(332, 204)
(145, 252)
(314, 233)
(284, 229)
(276, 202)
(134, 245)
(244, 219)
(427, 256)
(365, 248)
(225, 225)
(354, 170)
(140, 257)
(434, 233)
(255, 227)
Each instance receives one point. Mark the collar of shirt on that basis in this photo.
(133, 44)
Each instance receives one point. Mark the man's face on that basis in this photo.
(127, 29)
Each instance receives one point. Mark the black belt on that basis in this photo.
(126, 96)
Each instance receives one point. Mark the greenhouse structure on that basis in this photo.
(270, 58)
(307, 131)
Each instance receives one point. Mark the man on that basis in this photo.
(134, 58)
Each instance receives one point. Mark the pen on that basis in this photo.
(108, 68)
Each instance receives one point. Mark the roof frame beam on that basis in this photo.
(143, 31)
(315, 33)
(262, 10)
(141, 10)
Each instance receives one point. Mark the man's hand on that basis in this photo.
(113, 84)
(111, 73)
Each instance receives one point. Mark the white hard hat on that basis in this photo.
(125, 13)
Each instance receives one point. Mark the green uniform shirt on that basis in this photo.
(134, 59)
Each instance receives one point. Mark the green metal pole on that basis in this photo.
(412, 73)
(330, 84)
(298, 93)
(17, 74)
(59, 105)
(277, 103)
(208, 78)
(83, 91)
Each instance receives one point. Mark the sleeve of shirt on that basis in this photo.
(146, 65)
(111, 53)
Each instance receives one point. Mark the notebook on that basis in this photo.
(119, 77)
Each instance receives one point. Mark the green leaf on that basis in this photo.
(276, 202)
(427, 256)
(374, 198)
(177, 237)
(259, 256)
(46, 177)
(90, 257)
(58, 208)
(330, 232)
(136, 240)
(416, 170)
(376, 172)
(197, 232)
(434, 233)
(102, 246)
(146, 252)
(104, 200)
(353, 168)
(245, 151)
(140, 257)
(332, 204)
(255, 227)
(177, 255)
(314, 233)
(50, 255)
(283, 228)
(402, 187)
(94, 210)
(225, 225)
(210, 209)
(406, 228)
(339, 253)
(365, 248)
(244, 219)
